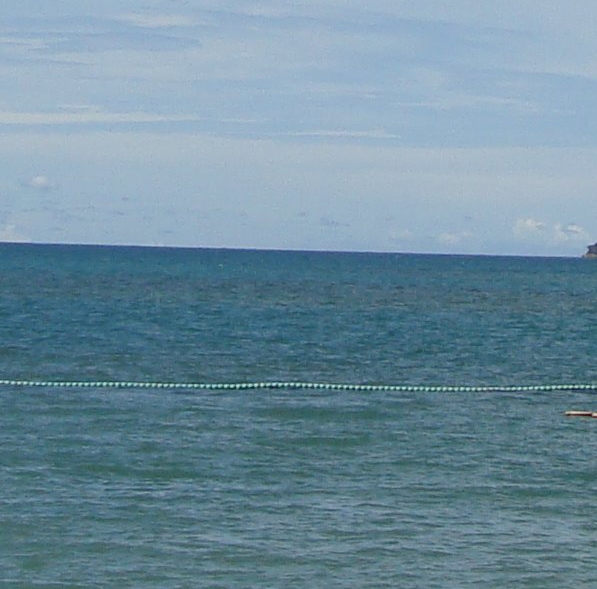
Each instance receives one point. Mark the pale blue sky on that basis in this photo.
(413, 126)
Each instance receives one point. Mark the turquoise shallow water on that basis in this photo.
(274, 488)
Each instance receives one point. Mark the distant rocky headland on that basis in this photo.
(591, 251)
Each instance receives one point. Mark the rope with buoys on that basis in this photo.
(294, 385)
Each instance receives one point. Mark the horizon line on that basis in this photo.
(155, 246)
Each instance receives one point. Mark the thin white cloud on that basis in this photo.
(575, 229)
(570, 233)
(9, 233)
(41, 183)
(447, 238)
(16, 43)
(528, 227)
(341, 134)
(394, 66)
(401, 235)
(557, 233)
(81, 116)
(158, 21)
(451, 100)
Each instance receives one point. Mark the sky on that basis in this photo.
(420, 126)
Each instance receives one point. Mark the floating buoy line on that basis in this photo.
(293, 385)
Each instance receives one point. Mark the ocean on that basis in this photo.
(295, 488)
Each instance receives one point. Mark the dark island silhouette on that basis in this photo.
(591, 251)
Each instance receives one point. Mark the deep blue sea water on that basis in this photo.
(301, 488)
